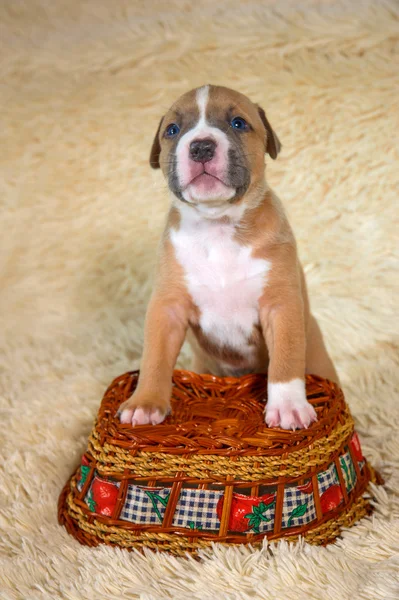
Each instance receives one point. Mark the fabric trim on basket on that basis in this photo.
(298, 508)
(145, 505)
(200, 509)
(348, 470)
(196, 509)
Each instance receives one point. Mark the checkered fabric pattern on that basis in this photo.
(145, 505)
(298, 508)
(327, 478)
(196, 509)
(348, 471)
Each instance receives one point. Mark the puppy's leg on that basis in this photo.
(164, 332)
(198, 364)
(318, 361)
(284, 331)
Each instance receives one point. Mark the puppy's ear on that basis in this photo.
(156, 149)
(273, 144)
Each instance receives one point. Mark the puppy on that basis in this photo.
(228, 271)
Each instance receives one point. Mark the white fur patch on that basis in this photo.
(287, 406)
(224, 280)
(202, 97)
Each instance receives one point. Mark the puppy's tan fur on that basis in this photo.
(286, 340)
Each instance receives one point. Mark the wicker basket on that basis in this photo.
(214, 472)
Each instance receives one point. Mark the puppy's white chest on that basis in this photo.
(224, 280)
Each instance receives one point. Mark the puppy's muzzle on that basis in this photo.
(202, 150)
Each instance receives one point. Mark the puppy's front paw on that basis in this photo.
(139, 410)
(287, 406)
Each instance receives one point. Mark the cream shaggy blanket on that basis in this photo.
(83, 85)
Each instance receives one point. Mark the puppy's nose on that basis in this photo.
(202, 150)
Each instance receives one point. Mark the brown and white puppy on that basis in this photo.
(228, 269)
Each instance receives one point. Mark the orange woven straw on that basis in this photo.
(214, 472)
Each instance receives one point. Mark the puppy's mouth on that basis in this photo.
(206, 178)
(207, 187)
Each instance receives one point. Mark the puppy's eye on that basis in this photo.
(239, 123)
(172, 130)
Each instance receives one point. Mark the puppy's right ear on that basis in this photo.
(273, 144)
(156, 149)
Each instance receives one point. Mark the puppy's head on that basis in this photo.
(211, 144)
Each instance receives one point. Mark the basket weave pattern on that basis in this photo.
(214, 472)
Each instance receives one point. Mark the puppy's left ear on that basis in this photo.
(156, 149)
(273, 144)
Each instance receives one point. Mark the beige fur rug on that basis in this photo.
(83, 85)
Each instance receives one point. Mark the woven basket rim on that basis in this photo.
(218, 416)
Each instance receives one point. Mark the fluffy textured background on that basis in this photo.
(83, 86)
